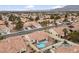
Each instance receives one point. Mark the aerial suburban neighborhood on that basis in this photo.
(40, 31)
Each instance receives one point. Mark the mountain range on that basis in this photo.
(67, 8)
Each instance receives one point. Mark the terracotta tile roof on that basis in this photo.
(71, 49)
(27, 24)
(2, 26)
(76, 26)
(24, 20)
(2, 22)
(59, 30)
(39, 35)
(12, 44)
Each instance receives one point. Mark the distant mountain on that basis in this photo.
(68, 8)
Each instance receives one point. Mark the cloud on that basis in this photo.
(29, 7)
(58, 6)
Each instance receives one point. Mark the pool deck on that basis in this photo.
(50, 42)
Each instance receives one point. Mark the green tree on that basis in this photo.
(51, 16)
(17, 19)
(44, 23)
(56, 41)
(74, 36)
(19, 25)
(55, 19)
(77, 14)
(1, 37)
(31, 19)
(66, 18)
(11, 17)
(0, 17)
(37, 18)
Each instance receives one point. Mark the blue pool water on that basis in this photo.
(41, 44)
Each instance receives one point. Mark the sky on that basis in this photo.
(28, 7)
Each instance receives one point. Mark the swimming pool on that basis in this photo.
(41, 44)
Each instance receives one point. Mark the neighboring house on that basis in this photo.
(75, 26)
(38, 36)
(5, 18)
(11, 26)
(14, 44)
(31, 25)
(53, 32)
(3, 28)
(58, 31)
(69, 49)
(2, 22)
(24, 19)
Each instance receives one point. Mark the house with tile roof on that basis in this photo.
(31, 25)
(40, 39)
(16, 44)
